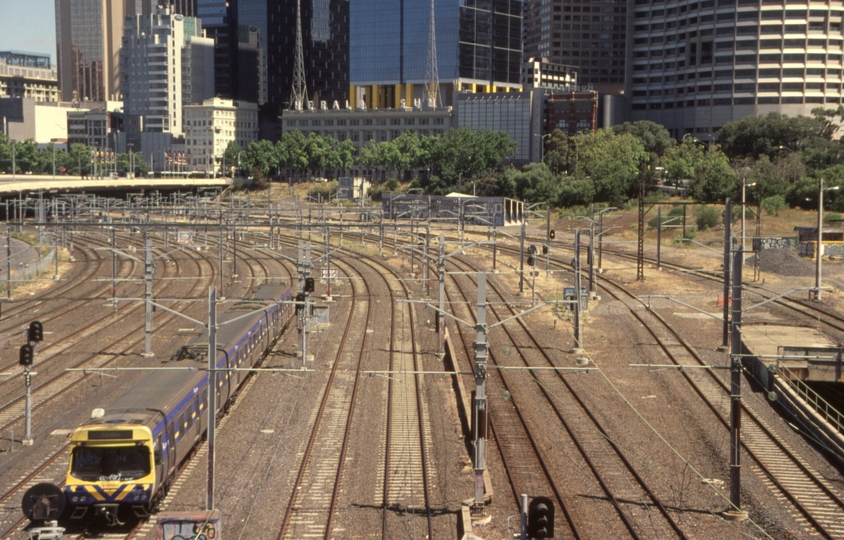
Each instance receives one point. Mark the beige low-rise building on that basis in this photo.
(211, 126)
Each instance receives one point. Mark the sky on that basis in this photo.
(28, 25)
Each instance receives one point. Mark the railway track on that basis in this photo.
(312, 503)
(637, 506)
(818, 503)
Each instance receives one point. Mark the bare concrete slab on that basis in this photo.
(764, 340)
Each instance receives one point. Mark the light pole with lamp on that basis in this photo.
(744, 186)
(819, 246)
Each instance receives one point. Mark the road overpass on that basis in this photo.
(28, 183)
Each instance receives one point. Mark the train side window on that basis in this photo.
(183, 425)
(157, 453)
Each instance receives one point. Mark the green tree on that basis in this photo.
(231, 157)
(79, 159)
(654, 137)
(713, 177)
(612, 162)
(261, 156)
(755, 136)
(291, 154)
(557, 152)
(341, 156)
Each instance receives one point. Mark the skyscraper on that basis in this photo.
(479, 47)
(695, 65)
(325, 39)
(88, 36)
(588, 35)
(166, 63)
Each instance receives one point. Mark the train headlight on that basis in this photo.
(76, 499)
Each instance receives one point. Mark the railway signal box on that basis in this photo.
(541, 518)
(309, 285)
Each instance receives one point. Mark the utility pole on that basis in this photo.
(440, 313)
(148, 294)
(735, 387)
(479, 417)
(522, 258)
(212, 394)
(658, 237)
(591, 257)
(728, 238)
(577, 337)
(113, 266)
(8, 263)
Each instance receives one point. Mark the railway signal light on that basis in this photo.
(26, 355)
(545, 249)
(541, 518)
(531, 249)
(300, 298)
(36, 332)
(531, 261)
(309, 285)
(552, 234)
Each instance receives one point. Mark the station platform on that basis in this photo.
(791, 363)
(803, 351)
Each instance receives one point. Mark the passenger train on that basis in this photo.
(125, 457)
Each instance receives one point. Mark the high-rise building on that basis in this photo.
(588, 35)
(478, 44)
(218, 20)
(88, 36)
(166, 63)
(325, 52)
(695, 65)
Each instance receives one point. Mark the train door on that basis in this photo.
(160, 465)
(171, 450)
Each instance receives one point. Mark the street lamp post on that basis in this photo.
(744, 185)
(14, 169)
(819, 245)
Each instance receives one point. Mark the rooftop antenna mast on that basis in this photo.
(432, 75)
(300, 90)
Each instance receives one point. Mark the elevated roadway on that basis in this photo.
(27, 183)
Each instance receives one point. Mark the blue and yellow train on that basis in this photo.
(125, 457)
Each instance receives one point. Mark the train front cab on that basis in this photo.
(111, 472)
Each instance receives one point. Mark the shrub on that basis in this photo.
(772, 205)
(706, 217)
(676, 211)
(832, 216)
(690, 234)
(391, 185)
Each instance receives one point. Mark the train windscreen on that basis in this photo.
(104, 464)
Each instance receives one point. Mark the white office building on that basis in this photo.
(165, 64)
(211, 126)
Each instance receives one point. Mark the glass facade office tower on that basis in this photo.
(325, 41)
(695, 65)
(88, 36)
(590, 35)
(479, 46)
